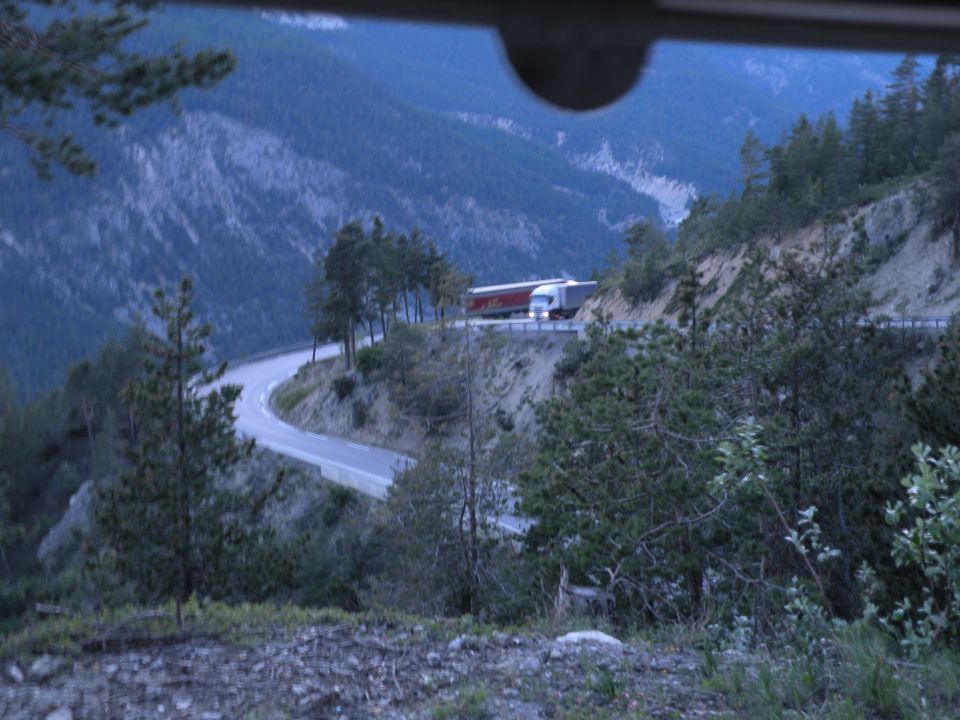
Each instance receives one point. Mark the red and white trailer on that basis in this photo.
(502, 300)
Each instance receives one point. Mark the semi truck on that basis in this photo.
(552, 301)
(503, 300)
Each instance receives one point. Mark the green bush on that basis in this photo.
(504, 420)
(643, 279)
(575, 353)
(361, 413)
(287, 400)
(929, 540)
(343, 386)
(369, 360)
(471, 704)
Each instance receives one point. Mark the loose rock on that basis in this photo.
(13, 672)
(589, 636)
(44, 667)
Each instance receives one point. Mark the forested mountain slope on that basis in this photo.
(327, 120)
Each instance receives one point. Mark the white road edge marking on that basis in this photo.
(358, 447)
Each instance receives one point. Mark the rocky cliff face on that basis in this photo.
(911, 272)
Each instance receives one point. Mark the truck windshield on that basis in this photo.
(540, 299)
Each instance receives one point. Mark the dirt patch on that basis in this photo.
(513, 374)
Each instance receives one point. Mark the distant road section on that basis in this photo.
(367, 469)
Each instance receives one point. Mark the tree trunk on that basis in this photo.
(406, 307)
(955, 248)
(316, 324)
(86, 407)
(473, 541)
(348, 345)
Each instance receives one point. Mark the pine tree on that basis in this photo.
(346, 279)
(936, 113)
(932, 407)
(55, 56)
(316, 297)
(618, 490)
(171, 525)
(417, 271)
(753, 172)
(385, 272)
(647, 255)
(865, 140)
(946, 181)
(901, 110)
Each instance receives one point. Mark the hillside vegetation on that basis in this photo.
(881, 191)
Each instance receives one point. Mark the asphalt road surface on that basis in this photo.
(367, 469)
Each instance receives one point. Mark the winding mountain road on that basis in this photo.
(367, 469)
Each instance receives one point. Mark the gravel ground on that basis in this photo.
(357, 671)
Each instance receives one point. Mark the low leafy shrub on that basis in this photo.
(471, 704)
(360, 413)
(344, 386)
(369, 360)
(504, 420)
(287, 400)
(929, 541)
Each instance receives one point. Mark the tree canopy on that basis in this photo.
(56, 55)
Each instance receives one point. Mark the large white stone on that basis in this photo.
(589, 636)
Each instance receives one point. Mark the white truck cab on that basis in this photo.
(559, 300)
(543, 299)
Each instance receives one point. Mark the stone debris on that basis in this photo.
(589, 636)
(13, 673)
(357, 672)
(43, 668)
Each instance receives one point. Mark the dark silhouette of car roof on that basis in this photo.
(584, 54)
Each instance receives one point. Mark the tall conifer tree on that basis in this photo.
(172, 526)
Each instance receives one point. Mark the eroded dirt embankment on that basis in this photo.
(513, 373)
